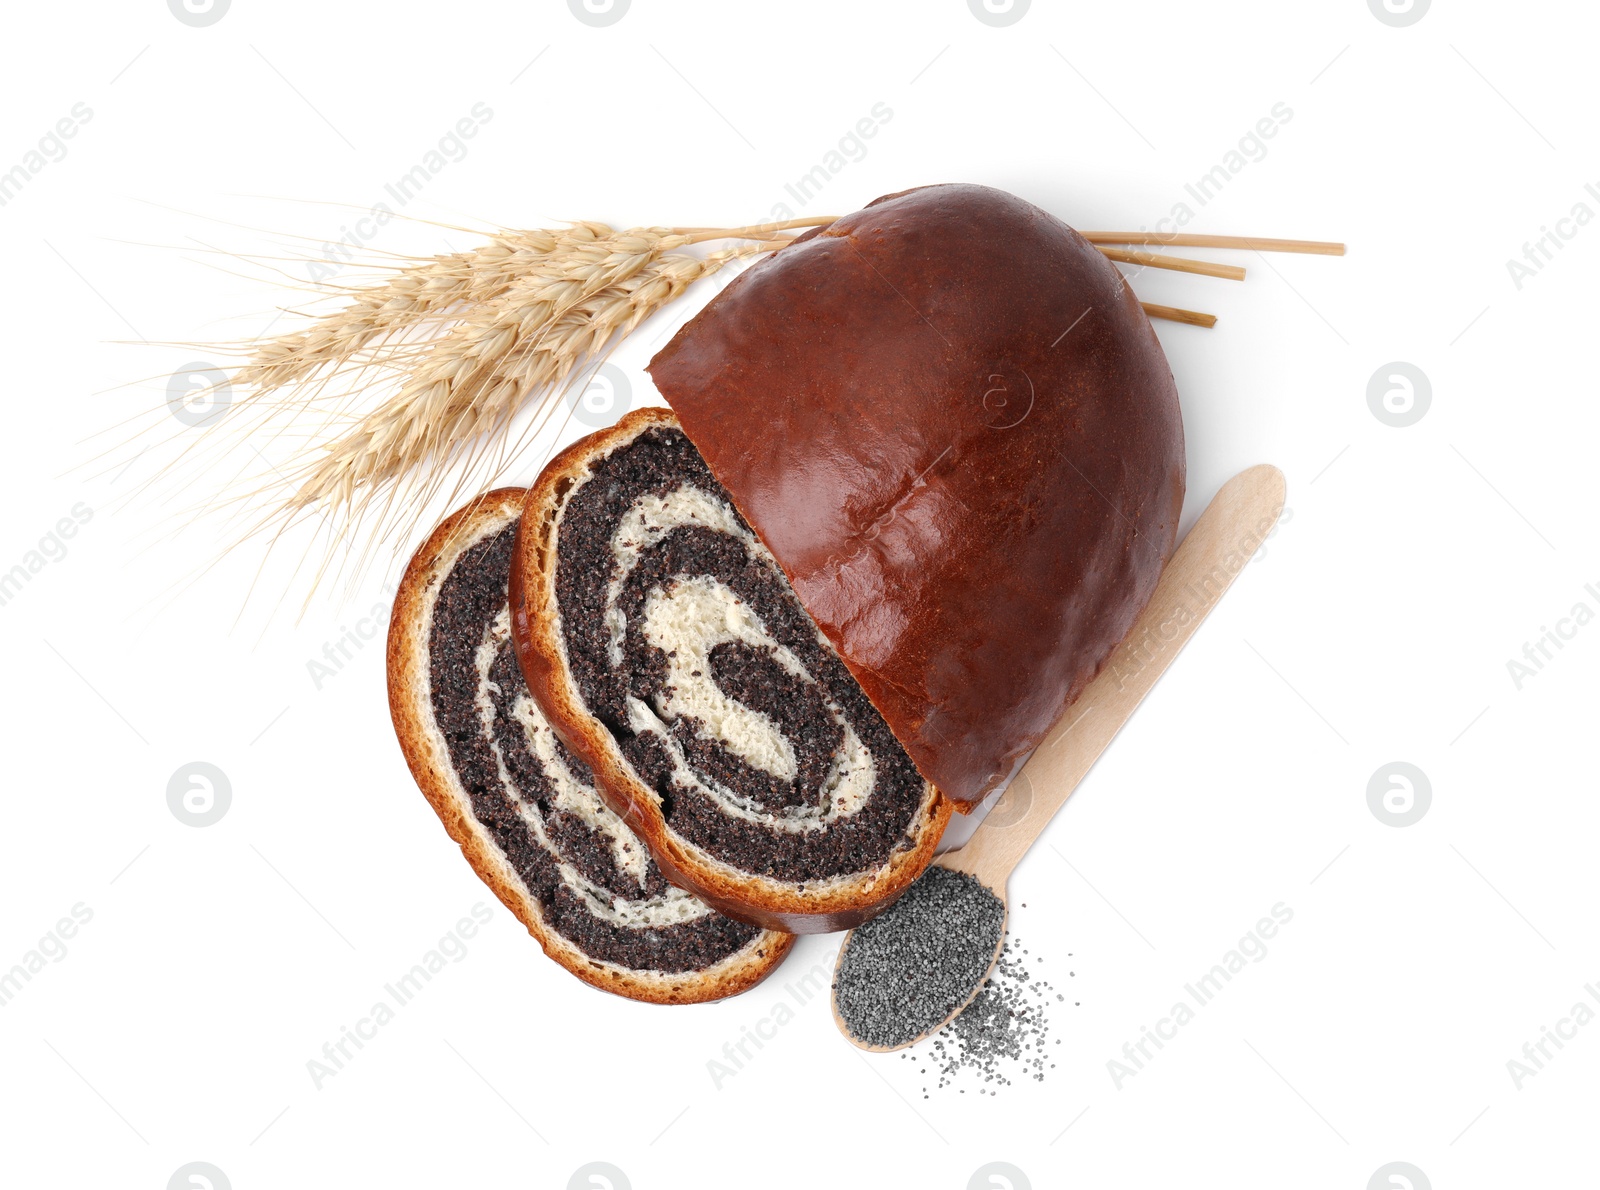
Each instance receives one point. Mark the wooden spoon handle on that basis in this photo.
(1222, 541)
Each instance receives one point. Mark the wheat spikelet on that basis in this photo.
(455, 347)
(414, 295)
(475, 380)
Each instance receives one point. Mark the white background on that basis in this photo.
(1377, 627)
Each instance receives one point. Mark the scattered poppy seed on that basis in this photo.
(1001, 1034)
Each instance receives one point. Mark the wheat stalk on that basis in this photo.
(475, 379)
(459, 345)
(416, 294)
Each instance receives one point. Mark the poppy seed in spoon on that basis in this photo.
(905, 971)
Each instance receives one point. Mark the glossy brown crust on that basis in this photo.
(411, 710)
(953, 426)
(535, 629)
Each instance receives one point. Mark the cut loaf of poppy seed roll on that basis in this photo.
(665, 645)
(949, 419)
(522, 807)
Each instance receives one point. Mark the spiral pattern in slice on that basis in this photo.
(592, 879)
(683, 638)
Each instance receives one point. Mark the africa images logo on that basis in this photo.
(607, 396)
(198, 394)
(598, 1175)
(599, 13)
(999, 13)
(199, 794)
(199, 13)
(1399, 13)
(998, 1175)
(1399, 394)
(199, 1175)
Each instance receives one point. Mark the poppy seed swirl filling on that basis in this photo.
(592, 879)
(684, 639)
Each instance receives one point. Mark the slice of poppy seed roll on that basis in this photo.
(522, 807)
(665, 645)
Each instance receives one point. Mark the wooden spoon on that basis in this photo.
(1219, 546)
